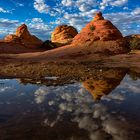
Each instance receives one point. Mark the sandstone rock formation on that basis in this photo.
(98, 29)
(63, 35)
(23, 37)
(102, 35)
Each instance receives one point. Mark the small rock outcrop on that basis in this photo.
(23, 37)
(63, 35)
(102, 34)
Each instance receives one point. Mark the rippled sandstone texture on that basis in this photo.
(63, 35)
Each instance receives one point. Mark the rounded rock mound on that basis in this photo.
(102, 35)
(98, 29)
(63, 35)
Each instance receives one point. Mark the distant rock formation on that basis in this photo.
(63, 35)
(23, 37)
(102, 35)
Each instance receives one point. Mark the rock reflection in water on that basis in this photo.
(104, 83)
(68, 112)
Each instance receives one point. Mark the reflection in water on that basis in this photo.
(103, 85)
(68, 112)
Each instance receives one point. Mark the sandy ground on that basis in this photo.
(38, 64)
(60, 55)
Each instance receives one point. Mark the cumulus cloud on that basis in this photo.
(124, 21)
(8, 22)
(41, 6)
(118, 2)
(106, 3)
(7, 26)
(68, 2)
(19, 4)
(38, 27)
(136, 11)
(38, 24)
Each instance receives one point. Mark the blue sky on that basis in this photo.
(42, 16)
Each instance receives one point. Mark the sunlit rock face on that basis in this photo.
(104, 84)
(63, 35)
(12, 38)
(23, 37)
(99, 29)
(102, 35)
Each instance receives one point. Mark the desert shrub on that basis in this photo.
(134, 43)
(92, 28)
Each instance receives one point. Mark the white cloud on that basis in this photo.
(37, 20)
(7, 22)
(7, 26)
(106, 3)
(41, 7)
(2, 10)
(17, 4)
(68, 2)
(39, 28)
(136, 11)
(124, 21)
(84, 8)
(118, 2)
